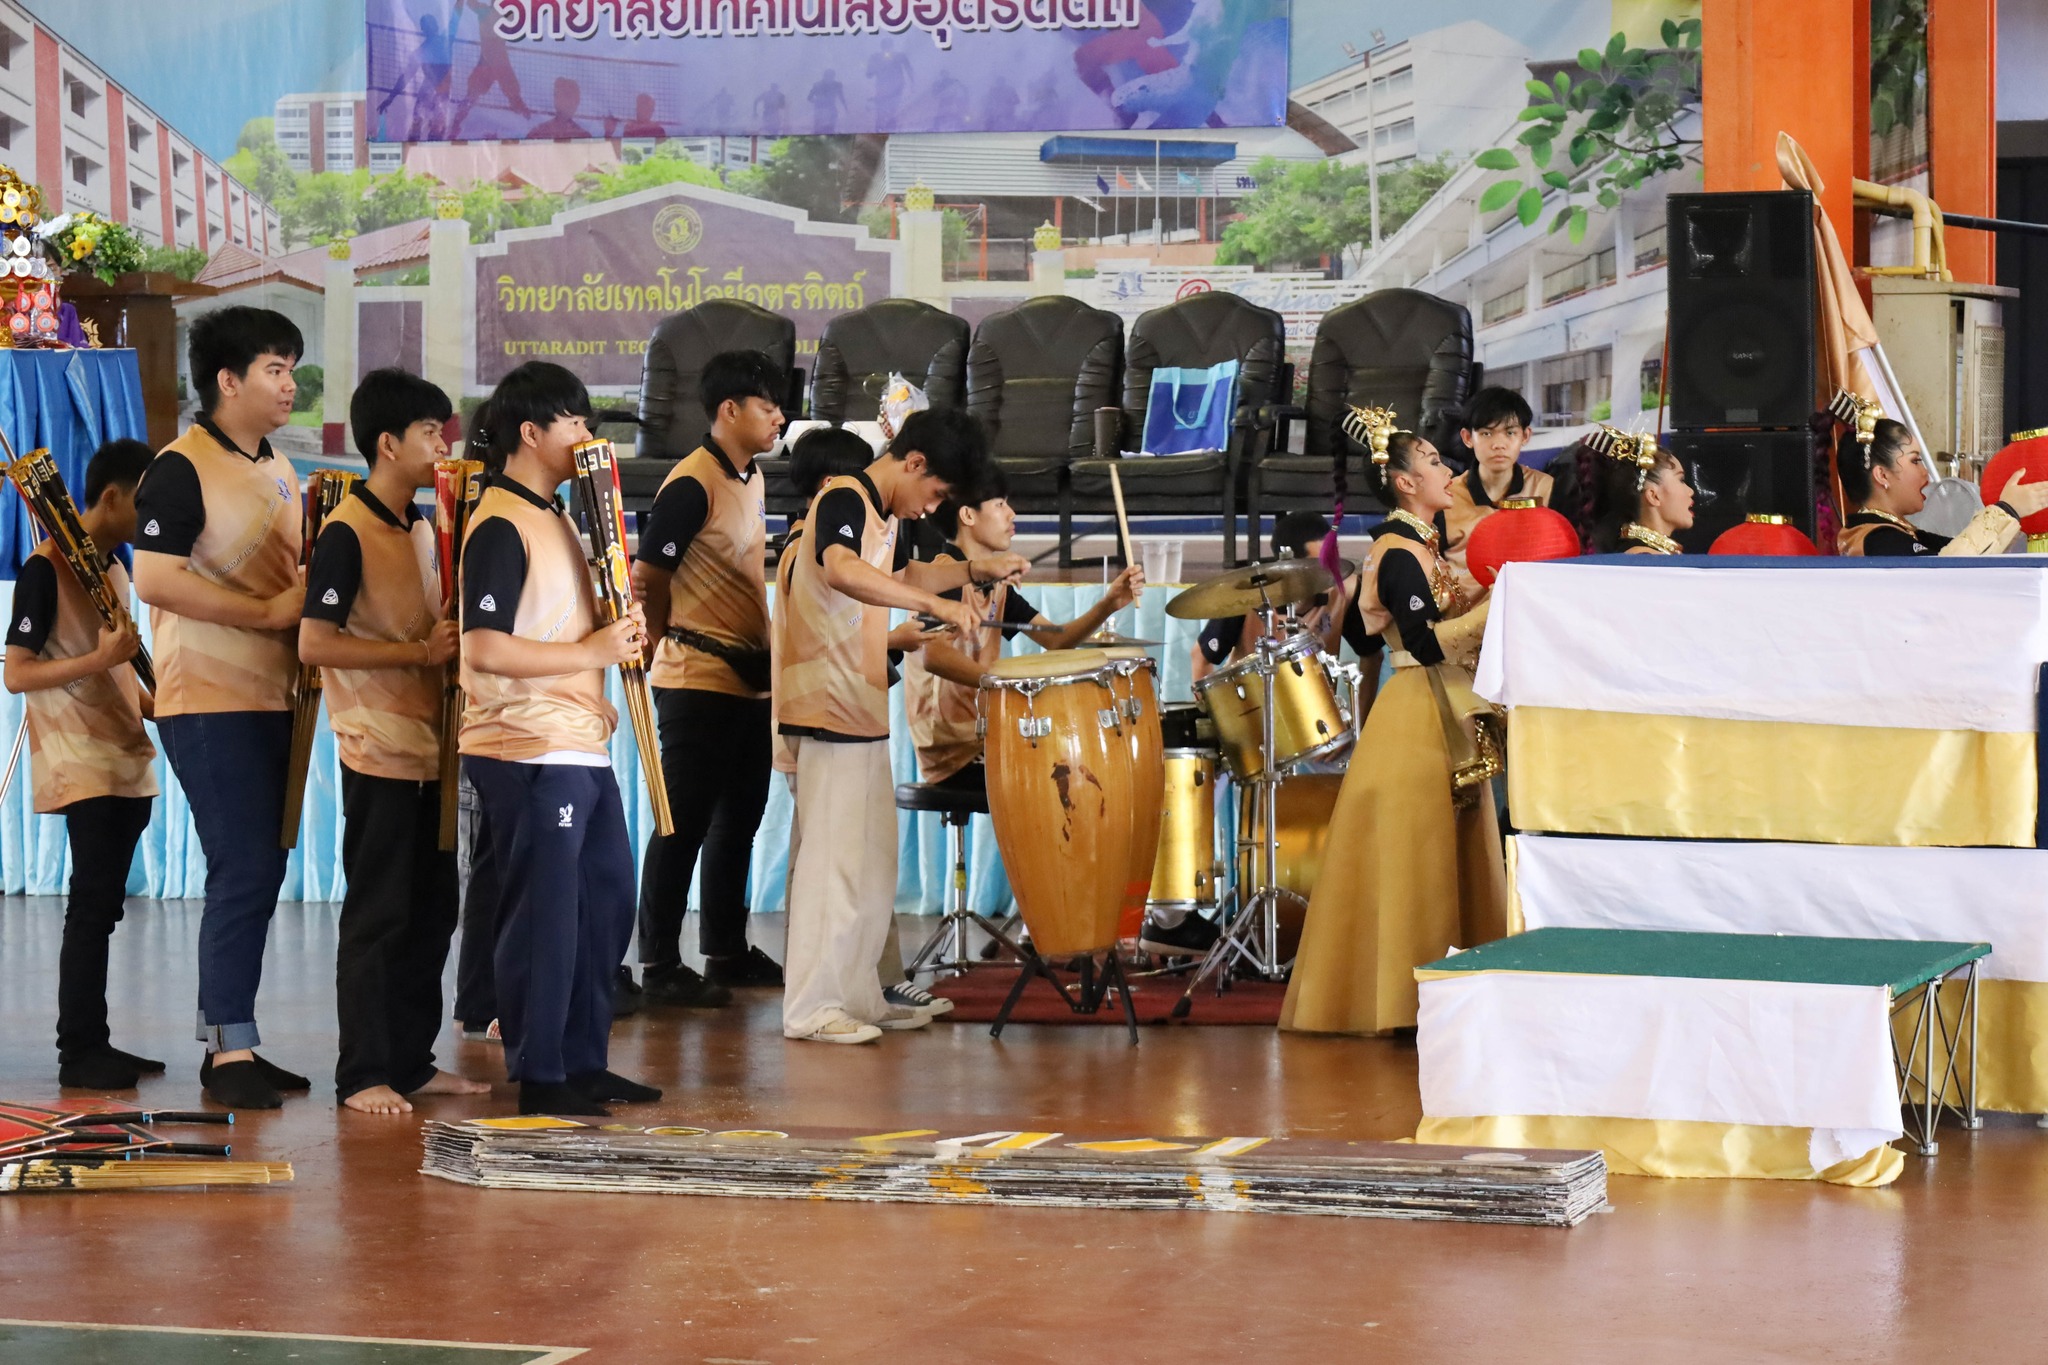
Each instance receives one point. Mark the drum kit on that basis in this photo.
(1104, 804)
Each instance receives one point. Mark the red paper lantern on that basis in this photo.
(2028, 451)
(1763, 534)
(1520, 531)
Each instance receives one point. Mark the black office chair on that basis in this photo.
(862, 348)
(1398, 348)
(1197, 332)
(1036, 374)
(672, 419)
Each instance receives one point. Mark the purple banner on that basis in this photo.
(520, 70)
(588, 291)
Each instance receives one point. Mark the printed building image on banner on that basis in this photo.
(522, 70)
(588, 290)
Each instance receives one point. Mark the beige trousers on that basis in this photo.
(842, 885)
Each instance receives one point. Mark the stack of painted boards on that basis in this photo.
(1055, 1170)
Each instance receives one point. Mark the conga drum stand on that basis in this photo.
(1253, 934)
(1095, 986)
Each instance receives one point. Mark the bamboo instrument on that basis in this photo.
(324, 492)
(457, 486)
(1123, 522)
(604, 518)
(42, 488)
(25, 1177)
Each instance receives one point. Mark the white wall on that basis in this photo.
(2022, 60)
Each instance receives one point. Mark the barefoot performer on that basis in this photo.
(374, 626)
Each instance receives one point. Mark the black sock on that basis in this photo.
(558, 1098)
(100, 1069)
(241, 1085)
(610, 1087)
(147, 1066)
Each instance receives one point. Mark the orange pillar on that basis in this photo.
(1771, 66)
(1962, 125)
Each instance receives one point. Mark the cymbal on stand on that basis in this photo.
(1277, 583)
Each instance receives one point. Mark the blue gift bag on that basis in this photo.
(1190, 410)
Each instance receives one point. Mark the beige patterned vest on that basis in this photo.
(720, 587)
(832, 660)
(86, 739)
(519, 719)
(250, 545)
(387, 721)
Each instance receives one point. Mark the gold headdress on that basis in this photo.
(1853, 409)
(1630, 447)
(1371, 428)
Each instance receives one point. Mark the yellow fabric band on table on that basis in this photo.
(1693, 777)
(1676, 1148)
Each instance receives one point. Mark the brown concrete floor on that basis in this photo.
(1945, 1265)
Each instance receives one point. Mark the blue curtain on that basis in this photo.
(68, 402)
(34, 859)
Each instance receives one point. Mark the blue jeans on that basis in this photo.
(565, 865)
(232, 767)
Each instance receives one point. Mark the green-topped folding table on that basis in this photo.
(1699, 1053)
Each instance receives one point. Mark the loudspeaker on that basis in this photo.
(1735, 473)
(1742, 305)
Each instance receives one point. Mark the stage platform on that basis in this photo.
(1936, 1266)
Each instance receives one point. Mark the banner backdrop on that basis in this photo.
(513, 70)
(587, 290)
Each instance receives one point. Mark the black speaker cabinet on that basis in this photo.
(1735, 473)
(1742, 309)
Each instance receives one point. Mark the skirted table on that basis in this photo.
(69, 402)
(1824, 747)
(1686, 1054)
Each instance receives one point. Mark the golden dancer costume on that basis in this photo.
(1413, 863)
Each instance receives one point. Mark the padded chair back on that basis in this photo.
(1036, 374)
(861, 349)
(1195, 333)
(1398, 348)
(671, 413)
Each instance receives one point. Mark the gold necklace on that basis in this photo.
(1899, 522)
(1643, 535)
(1443, 584)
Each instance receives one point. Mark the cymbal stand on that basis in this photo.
(1253, 935)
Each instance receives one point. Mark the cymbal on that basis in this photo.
(1277, 583)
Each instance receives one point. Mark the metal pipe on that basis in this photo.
(1930, 256)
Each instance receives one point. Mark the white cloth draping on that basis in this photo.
(1991, 895)
(1950, 646)
(1750, 1052)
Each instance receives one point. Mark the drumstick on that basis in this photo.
(1123, 522)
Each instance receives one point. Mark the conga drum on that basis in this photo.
(1184, 872)
(1137, 693)
(1060, 794)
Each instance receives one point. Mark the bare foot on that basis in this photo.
(448, 1083)
(378, 1099)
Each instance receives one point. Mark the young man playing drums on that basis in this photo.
(832, 630)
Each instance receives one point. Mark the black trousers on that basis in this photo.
(103, 831)
(716, 759)
(396, 921)
(567, 866)
(476, 987)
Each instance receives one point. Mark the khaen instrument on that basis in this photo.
(42, 488)
(604, 520)
(324, 492)
(457, 486)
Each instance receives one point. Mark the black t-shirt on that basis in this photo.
(840, 516)
(679, 513)
(1405, 593)
(494, 566)
(336, 573)
(170, 511)
(35, 605)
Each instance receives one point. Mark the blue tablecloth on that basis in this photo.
(70, 402)
(34, 859)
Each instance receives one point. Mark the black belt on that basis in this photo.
(749, 665)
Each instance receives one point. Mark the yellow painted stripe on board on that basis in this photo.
(892, 1137)
(1692, 777)
(1132, 1145)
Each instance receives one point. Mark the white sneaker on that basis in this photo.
(908, 995)
(897, 1019)
(841, 1030)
